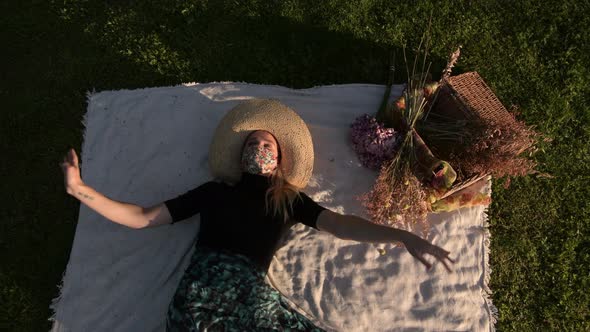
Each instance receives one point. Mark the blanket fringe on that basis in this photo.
(487, 292)
(55, 301)
(54, 305)
(84, 121)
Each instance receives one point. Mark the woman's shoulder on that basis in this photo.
(303, 201)
(301, 197)
(306, 210)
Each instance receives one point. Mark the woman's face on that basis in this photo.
(263, 139)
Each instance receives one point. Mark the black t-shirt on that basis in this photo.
(233, 217)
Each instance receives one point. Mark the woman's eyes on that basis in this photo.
(256, 143)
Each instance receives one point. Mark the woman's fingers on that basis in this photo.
(425, 262)
(418, 247)
(446, 266)
(438, 251)
(421, 259)
(442, 259)
(74, 157)
(70, 158)
(440, 254)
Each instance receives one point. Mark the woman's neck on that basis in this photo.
(255, 180)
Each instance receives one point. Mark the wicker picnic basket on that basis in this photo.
(468, 102)
(468, 96)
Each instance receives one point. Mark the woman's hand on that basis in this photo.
(417, 247)
(71, 170)
(351, 227)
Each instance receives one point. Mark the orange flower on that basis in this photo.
(429, 89)
(400, 103)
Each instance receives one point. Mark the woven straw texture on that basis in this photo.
(271, 115)
(469, 94)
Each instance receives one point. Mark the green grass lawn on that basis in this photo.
(534, 54)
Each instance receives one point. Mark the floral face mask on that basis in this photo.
(258, 160)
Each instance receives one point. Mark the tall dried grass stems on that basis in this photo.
(453, 58)
(398, 195)
(500, 149)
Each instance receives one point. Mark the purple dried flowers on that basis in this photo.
(372, 142)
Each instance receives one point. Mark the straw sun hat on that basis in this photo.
(290, 131)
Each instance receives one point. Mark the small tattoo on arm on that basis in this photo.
(85, 196)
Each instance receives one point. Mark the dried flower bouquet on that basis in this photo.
(412, 181)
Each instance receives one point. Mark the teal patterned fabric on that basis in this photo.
(224, 291)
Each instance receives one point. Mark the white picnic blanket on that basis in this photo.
(145, 146)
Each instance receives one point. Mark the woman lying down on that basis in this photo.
(262, 153)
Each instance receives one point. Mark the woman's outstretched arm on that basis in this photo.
(126, 214)
(349, 227)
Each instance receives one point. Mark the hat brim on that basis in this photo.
(271, 115)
